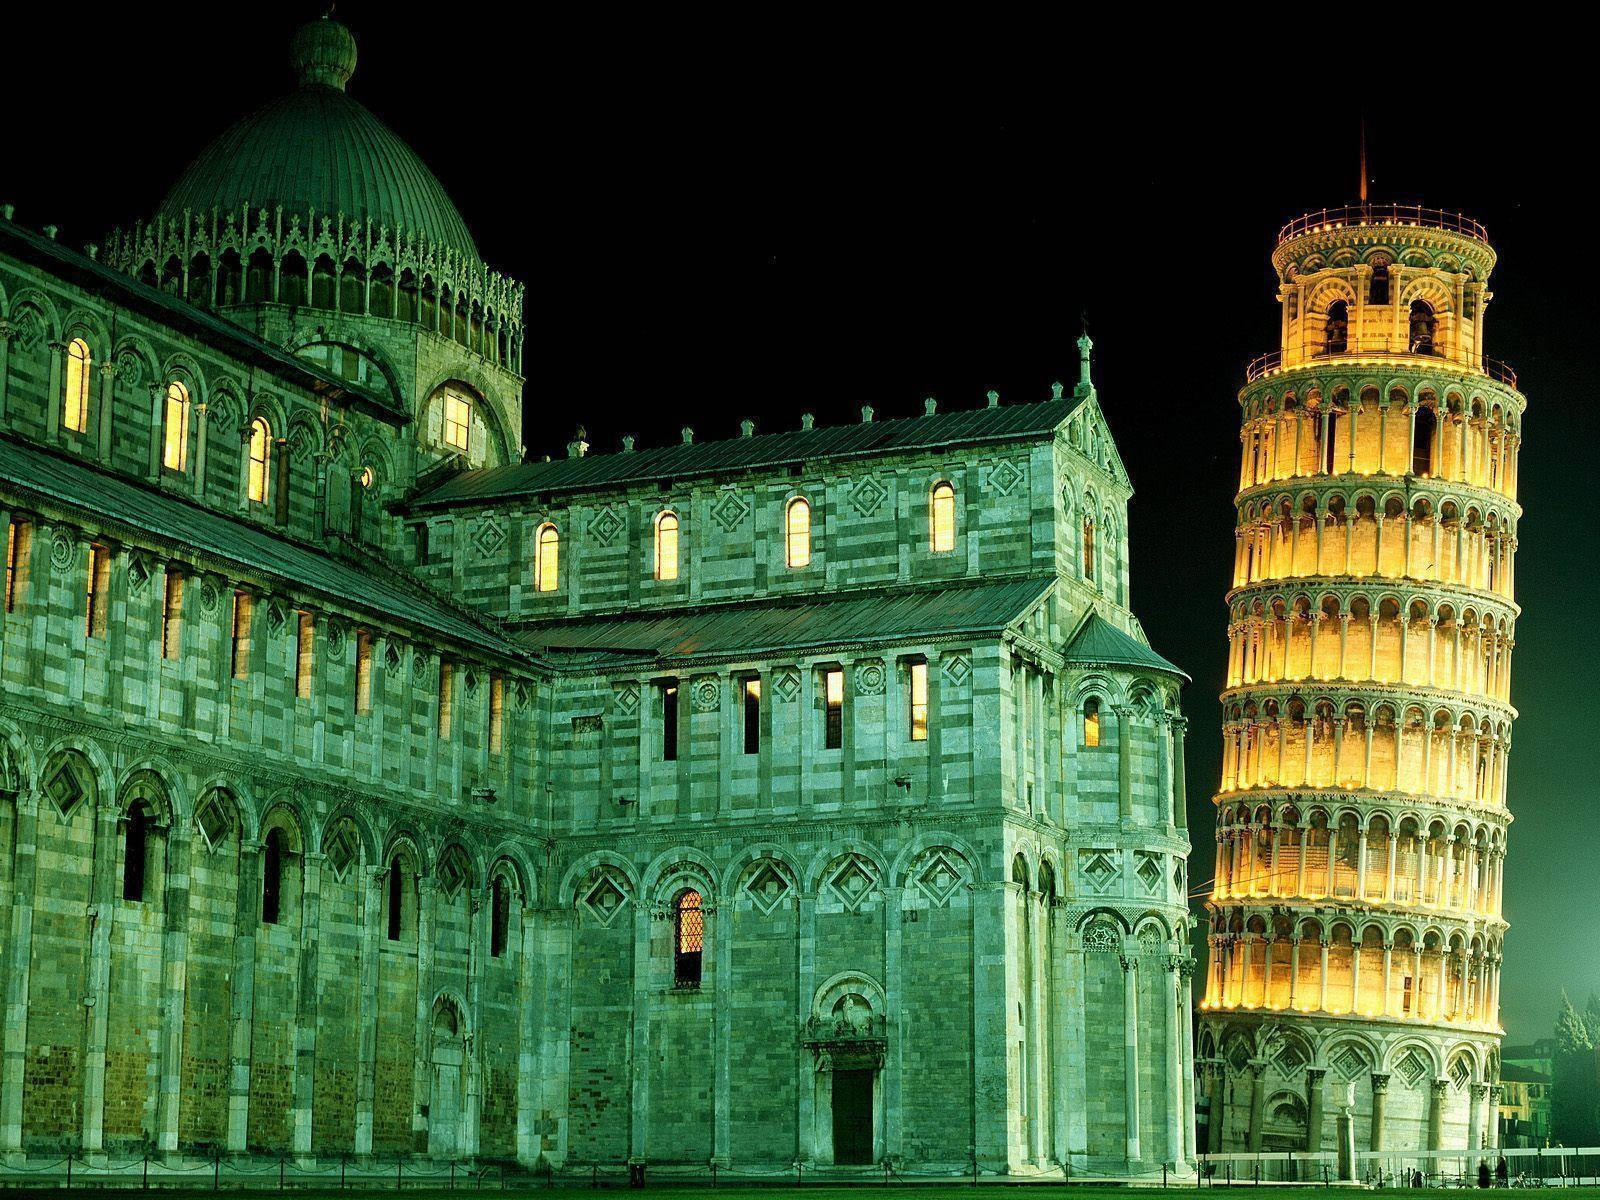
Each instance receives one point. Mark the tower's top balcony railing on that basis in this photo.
(1272, 362)
(1382, 214)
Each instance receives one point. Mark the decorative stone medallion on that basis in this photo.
(852, 881)
(61, 550)
(938, 875)
(730, 510)
(490, 537)
(767, 886)
(957, 668)
(1004, 476)
(627, 694)
(604, 526)
(604, 897)
(707, 694)
(787, 685)
(1100, 938)
(869, 677)
(868, 496)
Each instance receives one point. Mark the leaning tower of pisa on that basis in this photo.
(1355, 923)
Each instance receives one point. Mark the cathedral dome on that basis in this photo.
(318, 151)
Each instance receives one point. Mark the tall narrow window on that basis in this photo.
(1088, 546)
(669, 722)
(18, 536)
(260, 459)
(499, 916)
(1329, 442)
(447, 698)
(797, 532)
(688, 939)
(363, 671)
(833, 709)
(272, 878)
(397, 895)
(99, 577)
(305, 658)
(241, 634)
(75, 401)
(497, 713)
(175, 437)
(1378, 288)
(1338, 328)
(919, 701)
(135, 848)
(942, 518)
(1091, 722)
(752, 715)
(1422, 441)
(667, 545)
(457, 421)
(547, 559)
(172, 616)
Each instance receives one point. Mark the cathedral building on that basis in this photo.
(1355, 927)
(808, 796)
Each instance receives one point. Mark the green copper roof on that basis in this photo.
(683, 460)
(1100, 643)
(146, 512)
(318, 152)
(757, 627)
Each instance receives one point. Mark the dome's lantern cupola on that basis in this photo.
(323, 54)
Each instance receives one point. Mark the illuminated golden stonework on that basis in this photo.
(1355, 923)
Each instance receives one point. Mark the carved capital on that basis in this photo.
(1380, 1082)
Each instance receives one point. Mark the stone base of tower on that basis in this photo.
(1268, 1085)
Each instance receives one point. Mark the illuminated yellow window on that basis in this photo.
(363, 671)
(260, 454)
(175, 454)
(17, 541)
(497, 710)
(242, 606)
(1088, 547)
(547, 559)
(305, 656)
(75, 402)
(667, 545)
(797, 532)
(172, 616)
(919, 702)
(1091, 722)
(942, 518)
(99, 577)
(447, 699)
(833, 710)
(457, 421)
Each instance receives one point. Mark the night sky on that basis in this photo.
(717, 221)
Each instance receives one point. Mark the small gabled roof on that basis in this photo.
(592, 472)
(1100, 643)
(755, 627)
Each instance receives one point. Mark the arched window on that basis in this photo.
(397, 898)
(135, 848)
(797, 532)
(272, 878)
(1378, 289)
(260, 453)
(499, 917)
(1088, 545)
(1422, 327)
(942, 518)
(75, 400)
(688, 939)
(175, 441)
(667, 545)
(1091, 722)
(1338, 328)
(1422, 432)
(457, 420)
(547, 559)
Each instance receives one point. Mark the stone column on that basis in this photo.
(639, 1058)
(102, 909)
(1314, 1119)
(1258, 1103)
(1491, 1124)
(1439, 1089)
(1125, 763)
(241, 1014)
(7, 329)
(1477, 1093)
(174, 977)
(16, 954)
(721, 933)
(372, 932)
(1216, 1089)
(305, 1014)
(1380, 1093)
(1130, 1038)
(1174, 1089)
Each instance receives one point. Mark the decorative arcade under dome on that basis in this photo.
(1355, 925)
(313, 224)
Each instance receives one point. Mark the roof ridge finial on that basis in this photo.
(1085, 348)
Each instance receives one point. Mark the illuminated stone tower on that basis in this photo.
(1355, 923)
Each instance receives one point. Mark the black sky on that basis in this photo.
(718, 220)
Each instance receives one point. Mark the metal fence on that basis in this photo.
(1555, 1166)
